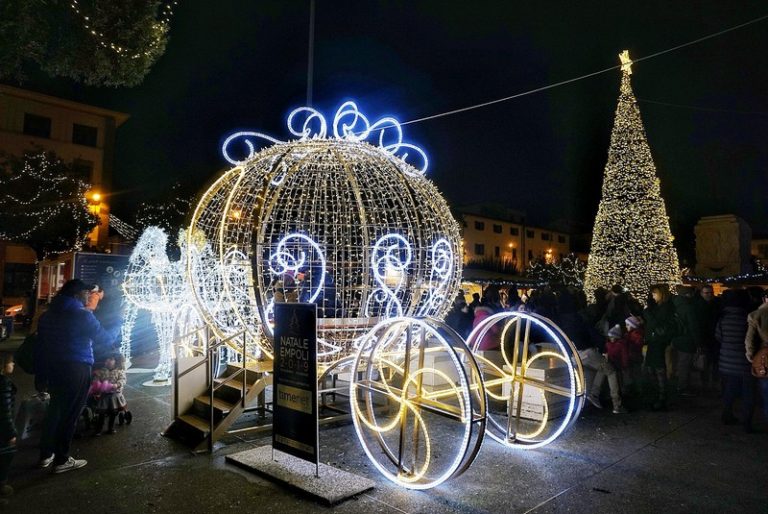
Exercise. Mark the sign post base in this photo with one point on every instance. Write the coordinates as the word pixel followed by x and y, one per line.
pixel 332 486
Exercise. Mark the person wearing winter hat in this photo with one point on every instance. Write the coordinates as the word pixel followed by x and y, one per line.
pixel 63 359
pixel 616 348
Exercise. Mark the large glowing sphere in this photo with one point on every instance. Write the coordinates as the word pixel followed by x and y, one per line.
pixel 327 219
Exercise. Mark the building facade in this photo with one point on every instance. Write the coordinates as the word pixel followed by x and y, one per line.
pixel 81 135
pixel 503 238
pixel 722 246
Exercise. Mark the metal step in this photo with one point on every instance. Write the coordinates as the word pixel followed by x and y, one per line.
pixel 219 404
pixel 196 422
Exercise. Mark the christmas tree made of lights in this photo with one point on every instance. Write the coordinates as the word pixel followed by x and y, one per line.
pixel 632 244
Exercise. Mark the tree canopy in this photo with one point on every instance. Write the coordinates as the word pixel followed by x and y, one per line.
pixel 98 43
pixel 43 204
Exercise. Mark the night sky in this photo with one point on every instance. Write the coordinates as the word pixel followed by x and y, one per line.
pixel 242 65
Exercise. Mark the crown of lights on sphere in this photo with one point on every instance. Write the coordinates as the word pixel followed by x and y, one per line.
pixel 331 219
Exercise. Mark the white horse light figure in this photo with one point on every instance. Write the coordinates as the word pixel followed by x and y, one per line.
pixel 154 283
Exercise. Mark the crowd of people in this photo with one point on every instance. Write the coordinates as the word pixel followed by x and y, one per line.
pixel 648 352
pixel 645 352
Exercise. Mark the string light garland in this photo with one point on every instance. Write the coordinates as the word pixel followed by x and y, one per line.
pixel 126 230
pixel 569 271
pixel 161 27
pixel 41 193
pixel 744 277
pixel 632 244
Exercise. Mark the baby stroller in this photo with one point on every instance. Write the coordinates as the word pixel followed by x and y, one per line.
pixel 87 419
pixel 105 401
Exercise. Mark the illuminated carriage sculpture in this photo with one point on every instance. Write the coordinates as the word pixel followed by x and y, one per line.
pixel 350 226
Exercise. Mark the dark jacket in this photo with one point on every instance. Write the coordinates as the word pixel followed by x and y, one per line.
pixel 7 399
pixel 730 332
pixel 582 335
pixel 66 333
pixel 659 330
pixel 692 319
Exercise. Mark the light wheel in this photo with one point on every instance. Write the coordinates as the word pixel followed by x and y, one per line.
pixel 414 401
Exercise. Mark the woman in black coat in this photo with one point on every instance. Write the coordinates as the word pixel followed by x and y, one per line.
pixel 733 364
pixel 659 319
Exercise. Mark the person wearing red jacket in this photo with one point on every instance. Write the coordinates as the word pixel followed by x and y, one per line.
pixel 635 336
pixel 617 348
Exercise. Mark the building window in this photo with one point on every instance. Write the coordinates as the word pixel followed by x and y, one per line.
pixel 479 225
pixel 514 253
pixel 496 251
pixel 529 234
pixel 479 249
pixel 530 255
pixel 82 169
pixel 544 236
pixel 39 126
pixel 561 239
pixel 84 135
pixel 18 279
pixel 514 231
pixel 497 229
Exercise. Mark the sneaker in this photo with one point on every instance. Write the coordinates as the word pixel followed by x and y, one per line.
pixel 70 465
pixel 594 400
pixel 111 431
pixel 686 393
pixel 620 410
pixel 44 463
pixel 128 418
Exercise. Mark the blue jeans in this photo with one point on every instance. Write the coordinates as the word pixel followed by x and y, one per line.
pixel 735 386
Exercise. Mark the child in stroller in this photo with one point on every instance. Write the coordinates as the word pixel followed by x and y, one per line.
pixel 106 398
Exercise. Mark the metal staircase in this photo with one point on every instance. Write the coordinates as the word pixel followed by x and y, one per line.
pixel 207 400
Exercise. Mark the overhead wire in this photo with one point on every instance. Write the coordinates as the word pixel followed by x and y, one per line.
pixel 700 108
pixel 582 77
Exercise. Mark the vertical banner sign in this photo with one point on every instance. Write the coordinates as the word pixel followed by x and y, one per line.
pixel 295 426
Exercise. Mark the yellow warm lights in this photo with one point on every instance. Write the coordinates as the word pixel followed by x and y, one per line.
pixel 632 244
pixel 626 62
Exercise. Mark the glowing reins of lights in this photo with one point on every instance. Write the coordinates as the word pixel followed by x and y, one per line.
pixel 349 124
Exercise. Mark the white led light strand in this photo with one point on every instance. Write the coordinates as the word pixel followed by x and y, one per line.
pixel 389 263
pixel 349 124
pixel 439 277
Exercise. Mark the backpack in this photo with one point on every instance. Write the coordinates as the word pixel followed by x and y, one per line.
pixel 25 354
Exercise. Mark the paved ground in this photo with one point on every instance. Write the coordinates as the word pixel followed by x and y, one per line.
pixel 682 460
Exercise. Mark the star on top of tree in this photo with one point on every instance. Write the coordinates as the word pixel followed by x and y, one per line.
pixel 626 62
